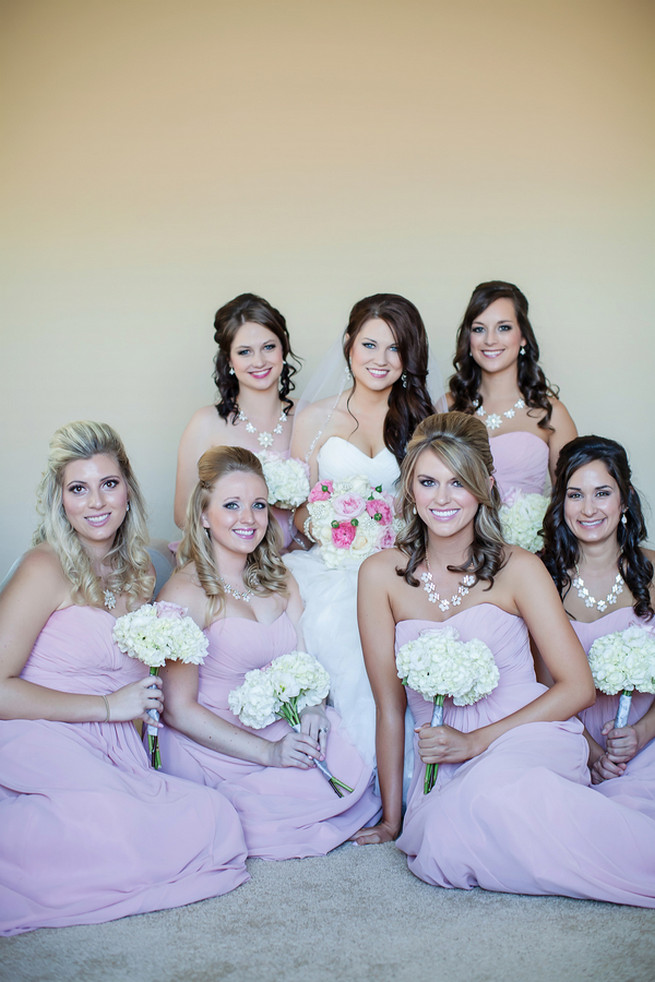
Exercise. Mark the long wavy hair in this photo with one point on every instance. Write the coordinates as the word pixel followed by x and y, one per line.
pixel 561 549
pixel 465 383
pixel 229 318
pixel 462 443
pixel 265 572
pixel 409 400
pixel 129 560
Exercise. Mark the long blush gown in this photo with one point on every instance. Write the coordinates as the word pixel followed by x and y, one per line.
pixel 90 832
pixel 521 817
pixel 636 786
pixel 286 812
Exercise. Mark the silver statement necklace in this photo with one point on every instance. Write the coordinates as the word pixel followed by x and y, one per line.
pixel 590 601
pixel 433 594
pixel 492 420
pixel 246 595
pixel 264 438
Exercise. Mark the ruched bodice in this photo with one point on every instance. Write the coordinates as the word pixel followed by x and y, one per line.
pixel 520 462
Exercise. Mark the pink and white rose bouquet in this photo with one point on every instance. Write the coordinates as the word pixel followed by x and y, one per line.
pixel 351 520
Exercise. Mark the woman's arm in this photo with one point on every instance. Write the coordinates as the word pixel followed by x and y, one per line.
pixel 377 631
pixel 305 446
pixel 198 436
pixel 37 589
pixel 526 586
pixel 564 429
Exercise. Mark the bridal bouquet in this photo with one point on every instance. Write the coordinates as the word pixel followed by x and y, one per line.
pixel 286 478
pixel 521 517
pixel 437 664
pixel 351 520
pixel 282 690
pixel 154 634
pixel 621 662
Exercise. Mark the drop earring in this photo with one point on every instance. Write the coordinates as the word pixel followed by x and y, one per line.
pixel 522 350
pixel 403 378
pixel 230 371
pixel 624 520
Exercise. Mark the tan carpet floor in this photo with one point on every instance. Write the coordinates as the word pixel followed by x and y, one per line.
pixel 355 914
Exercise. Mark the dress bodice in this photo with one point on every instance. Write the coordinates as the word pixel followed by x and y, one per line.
pixel 339 460
pixel 75 652
pixel 506 635
pixel 520 463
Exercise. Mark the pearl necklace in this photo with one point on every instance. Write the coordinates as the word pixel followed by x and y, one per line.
pixel 590 601
pixel 493 421
pixel 433 594
pixel 237 594
pixel 264 438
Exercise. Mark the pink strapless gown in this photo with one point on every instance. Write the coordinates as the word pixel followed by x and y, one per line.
pixel 521 817
pixel 286 812
pixel 636 786
pixel 90 832
pixel 521 463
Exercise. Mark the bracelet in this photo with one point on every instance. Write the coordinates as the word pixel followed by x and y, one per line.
pixel 306 531
pixel 108 716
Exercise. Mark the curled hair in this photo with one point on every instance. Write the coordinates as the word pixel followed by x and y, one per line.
pixel 128 558
pixel 462 443
pixel 533 384
pixel 229 318
pixel 409 400
pixel 265 572
pixel 561 549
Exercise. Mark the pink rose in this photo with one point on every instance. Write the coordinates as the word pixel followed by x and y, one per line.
pixel 388 539
pixel 348 505
pixel 174 611
pixel 321 491
pixel 377 506
pixel 343 535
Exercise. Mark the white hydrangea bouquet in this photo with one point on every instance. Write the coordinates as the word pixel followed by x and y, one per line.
pixel 622 662
pixel 437 664
pixel 287 479
pixel 351 520
pixel 291 683
pixel 521 517
pixel 156 633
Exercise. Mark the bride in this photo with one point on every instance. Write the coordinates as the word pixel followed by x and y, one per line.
pixel 361 431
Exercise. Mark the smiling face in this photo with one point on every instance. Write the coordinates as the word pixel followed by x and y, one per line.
pixel 442 502
pixel 592 507
pixel 374 356
pixel 496 337
pixel 237 512
pixel 94 497
pixel 256 356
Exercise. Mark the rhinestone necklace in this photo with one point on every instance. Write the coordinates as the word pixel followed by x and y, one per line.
pixel 237 594
pixel 110 599
pixel 433 594
pixel 492 421
pixel 590 601
pixel 264 438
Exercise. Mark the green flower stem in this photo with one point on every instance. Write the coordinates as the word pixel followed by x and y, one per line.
pixel 431 769
pixel 333 781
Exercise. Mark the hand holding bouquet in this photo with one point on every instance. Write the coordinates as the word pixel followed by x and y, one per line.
pixel 288 685
pixel 156 633
pixel 622 662
pixel 437 664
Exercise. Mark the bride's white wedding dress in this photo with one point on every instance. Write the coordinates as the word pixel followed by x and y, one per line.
pixel 329 623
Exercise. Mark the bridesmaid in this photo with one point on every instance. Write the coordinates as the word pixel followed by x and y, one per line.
pixel 593 532
pixel 235 586
pixel 253 374
pixel 511 809
pixel 90 832
pixel 498 377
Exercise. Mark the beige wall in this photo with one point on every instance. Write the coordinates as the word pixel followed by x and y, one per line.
pixel 162 157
